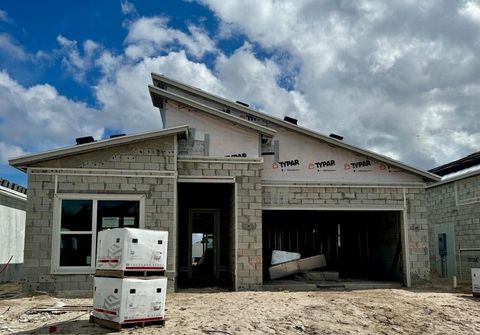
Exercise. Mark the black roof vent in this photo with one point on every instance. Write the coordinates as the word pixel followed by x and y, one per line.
pixel 117 135
pixel 83 140
pixel 290 119
pixel 337 137
pixel 242 103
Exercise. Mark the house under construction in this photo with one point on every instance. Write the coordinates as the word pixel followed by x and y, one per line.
pixel 230 185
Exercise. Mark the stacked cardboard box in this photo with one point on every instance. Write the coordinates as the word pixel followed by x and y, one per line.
pixel 129 283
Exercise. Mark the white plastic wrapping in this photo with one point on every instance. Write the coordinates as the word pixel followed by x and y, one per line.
pixel 129 300
pixel 131 249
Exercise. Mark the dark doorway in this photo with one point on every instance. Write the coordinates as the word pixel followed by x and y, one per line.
pixel 356 244
pixel 203 244
pixel 206 227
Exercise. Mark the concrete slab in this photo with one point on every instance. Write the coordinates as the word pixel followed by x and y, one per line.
pixel 302 285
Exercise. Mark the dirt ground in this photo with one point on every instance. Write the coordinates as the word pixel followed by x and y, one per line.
pixel 385 311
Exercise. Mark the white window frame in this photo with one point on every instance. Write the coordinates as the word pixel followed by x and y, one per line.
pixel 56 234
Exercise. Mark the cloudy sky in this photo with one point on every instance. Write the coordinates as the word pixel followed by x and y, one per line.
pixel 401 79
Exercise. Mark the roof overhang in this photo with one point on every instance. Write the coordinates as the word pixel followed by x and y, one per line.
pixel 22 162
pixel 457 176
pixel 195 91
pixel 209 110
pixel 12 193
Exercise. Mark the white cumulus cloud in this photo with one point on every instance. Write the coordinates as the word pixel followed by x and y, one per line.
pixel 400 79
pixel 149 35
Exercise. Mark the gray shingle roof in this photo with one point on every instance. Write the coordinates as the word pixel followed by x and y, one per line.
pixel 13 186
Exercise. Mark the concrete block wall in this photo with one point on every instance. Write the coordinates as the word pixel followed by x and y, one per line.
pixel 464 214
pixel 38 233
pixel 248 211
pixel 358 197
pixel 159 205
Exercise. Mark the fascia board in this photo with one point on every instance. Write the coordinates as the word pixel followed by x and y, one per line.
pixel 12 193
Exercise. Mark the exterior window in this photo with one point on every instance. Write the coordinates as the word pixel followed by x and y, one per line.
pixel 76 233
pixel 79 221
pixel 118 214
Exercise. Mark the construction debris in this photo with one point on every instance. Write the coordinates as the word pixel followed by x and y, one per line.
pixel 279 256
pixel 293 267
pixel 59 309
pixel 321 276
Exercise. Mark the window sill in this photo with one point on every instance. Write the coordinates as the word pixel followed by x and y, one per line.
pixel 70 271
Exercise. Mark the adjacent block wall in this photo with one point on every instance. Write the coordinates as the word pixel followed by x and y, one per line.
pixel 463 211
pixel 12 236
pixel 248 211
pixel 159 203
pixel 358 197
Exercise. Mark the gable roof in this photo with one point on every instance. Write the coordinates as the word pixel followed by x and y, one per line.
pixel 209 110
pixel 160 79
pixel 22 161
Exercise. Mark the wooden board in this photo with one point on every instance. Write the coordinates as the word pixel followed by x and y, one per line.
pixel 58 310
pixel 290 268
pixel 119 326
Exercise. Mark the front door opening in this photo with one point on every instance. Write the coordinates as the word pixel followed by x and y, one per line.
pixel 206 235
pixel 203 224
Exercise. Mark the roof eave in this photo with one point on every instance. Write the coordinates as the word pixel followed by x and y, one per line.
pixel 22 162
pixel 454 179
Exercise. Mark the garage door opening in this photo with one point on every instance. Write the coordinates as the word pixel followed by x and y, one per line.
pixel 205 234
pixel 364 245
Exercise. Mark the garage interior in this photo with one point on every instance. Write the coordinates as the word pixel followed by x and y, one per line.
pixel 206 228
pixel 359 245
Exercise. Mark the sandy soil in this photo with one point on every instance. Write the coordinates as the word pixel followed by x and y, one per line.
pixel 392 311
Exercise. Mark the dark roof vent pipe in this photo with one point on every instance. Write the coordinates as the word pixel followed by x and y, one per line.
pixel 84 140
pixel 242 103
pixel 337 137
pixel 290 119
